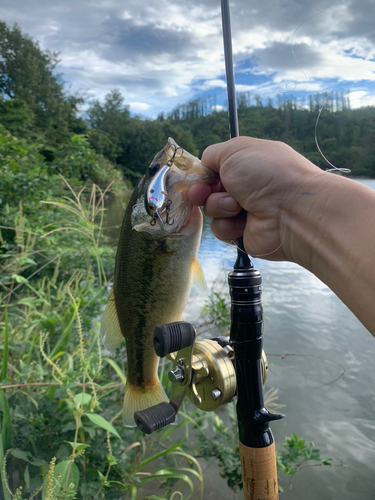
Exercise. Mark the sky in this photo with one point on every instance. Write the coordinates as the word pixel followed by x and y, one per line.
pixel 161 53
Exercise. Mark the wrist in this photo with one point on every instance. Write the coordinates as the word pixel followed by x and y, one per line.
pixel 310 210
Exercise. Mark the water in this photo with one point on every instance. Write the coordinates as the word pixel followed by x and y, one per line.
pixel 327 386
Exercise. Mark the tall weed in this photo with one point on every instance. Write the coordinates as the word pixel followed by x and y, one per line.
pixel 60 399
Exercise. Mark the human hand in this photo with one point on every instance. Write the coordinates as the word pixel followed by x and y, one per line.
pixel 265 178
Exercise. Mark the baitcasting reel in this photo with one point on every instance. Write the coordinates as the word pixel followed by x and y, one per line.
pixel 203 371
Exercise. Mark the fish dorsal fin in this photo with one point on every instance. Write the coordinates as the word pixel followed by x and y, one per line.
pixel 110 330
pixel 198 274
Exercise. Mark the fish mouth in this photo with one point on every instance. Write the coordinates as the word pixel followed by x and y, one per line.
pixel 194 217
pixel 171 213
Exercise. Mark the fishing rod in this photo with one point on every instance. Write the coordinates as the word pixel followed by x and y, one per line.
pixel 211 372
pixel 257 445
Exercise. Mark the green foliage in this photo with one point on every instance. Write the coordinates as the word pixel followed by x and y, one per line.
pixel 25 70
pixel 345 136
pixel 217 310
pixel 15 115
pixel 131 142
pixel 25 175
pixel 297 454
pixel 34 105
pixel 26 74
pixel 76 160
pixel 60 398
pixel 220 442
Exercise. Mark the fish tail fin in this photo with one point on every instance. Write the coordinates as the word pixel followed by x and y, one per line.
pixel 139 398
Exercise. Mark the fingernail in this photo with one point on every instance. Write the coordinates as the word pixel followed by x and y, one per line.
pixel 228 204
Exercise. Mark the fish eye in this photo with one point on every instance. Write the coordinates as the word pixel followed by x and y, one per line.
pixel 150 206
pixel 153 168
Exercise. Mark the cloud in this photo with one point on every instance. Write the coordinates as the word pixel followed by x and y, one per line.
pixel 359 98
pixel 139 106
pixel 162 52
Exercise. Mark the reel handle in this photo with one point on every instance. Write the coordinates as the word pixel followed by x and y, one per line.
pixel 155 417
pixel 173 337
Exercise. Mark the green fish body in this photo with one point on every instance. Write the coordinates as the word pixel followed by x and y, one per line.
pixel 154 270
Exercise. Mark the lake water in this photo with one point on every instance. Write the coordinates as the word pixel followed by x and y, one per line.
pixel 328 385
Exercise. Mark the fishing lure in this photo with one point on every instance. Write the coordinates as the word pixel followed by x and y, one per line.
pixel 156 195
pixel 156 200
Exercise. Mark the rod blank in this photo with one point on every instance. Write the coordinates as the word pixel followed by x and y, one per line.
pixel 229 71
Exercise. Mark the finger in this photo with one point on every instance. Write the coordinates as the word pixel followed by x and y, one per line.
pixel 217 187
pixel 214 156
pixel 228 229
pixel 211 155
pixel 198 193
pixel 220 205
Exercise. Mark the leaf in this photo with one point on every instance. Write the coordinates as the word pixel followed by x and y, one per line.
pixel 69 474
pixel 102 422
pixel 5 490
pixel 4 368
pixel 58 355
pixel 6 422
pixel 22 455
pixel 37 462
pixel 18 279
pixel 160 454
pixel 27 478
pixel 86 398
pixel 70 426
pixel 27 260
pixel 78 446
pixel 117 369
pixel 327 461
pixel 164 473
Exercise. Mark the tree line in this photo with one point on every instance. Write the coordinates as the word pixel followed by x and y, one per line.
pixel 35 105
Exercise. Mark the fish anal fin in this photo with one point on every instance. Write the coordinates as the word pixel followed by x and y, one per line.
pixel 110 330
pixel 198 274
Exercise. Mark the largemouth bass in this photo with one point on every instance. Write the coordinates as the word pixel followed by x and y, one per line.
pixel 156 262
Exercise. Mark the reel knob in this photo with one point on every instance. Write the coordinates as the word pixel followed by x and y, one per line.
pixel 155 417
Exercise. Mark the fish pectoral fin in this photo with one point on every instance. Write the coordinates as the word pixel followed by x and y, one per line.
pixel 110 330
pixel 198 274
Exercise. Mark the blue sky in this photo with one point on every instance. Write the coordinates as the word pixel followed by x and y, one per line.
pixel 160 53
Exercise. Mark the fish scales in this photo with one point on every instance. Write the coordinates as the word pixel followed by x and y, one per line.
pixel 154 270
pixel 146 281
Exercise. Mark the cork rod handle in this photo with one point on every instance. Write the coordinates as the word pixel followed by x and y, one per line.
pixel 259 473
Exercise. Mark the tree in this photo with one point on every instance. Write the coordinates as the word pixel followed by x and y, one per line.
pixel 109 123
pixel 15 115
pixel 26 73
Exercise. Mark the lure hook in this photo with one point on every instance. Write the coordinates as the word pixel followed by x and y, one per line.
pixel 170 162
pixel 168 208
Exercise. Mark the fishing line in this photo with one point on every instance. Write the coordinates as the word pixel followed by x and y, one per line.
pixel 296 60
pixel 292 47
pixel 334 168
pixel 232 242
pixel 314 7
pixel 332 381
